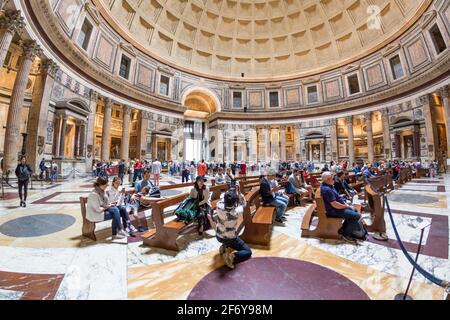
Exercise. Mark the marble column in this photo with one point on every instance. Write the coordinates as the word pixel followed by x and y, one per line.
pixel 62 139
pixel 444 91
pixel 142 135
pixel 89 152
pixel 125 145
pixel 268 143
pixel 76 142
pixel 253 144
pixel 368 119
pixel 386 134
pixel 57 134
pixel 82 140
pixel 334 140
pixel 10 23
pixel 38 114
pixel 181 155
pixel 429 127
pixel 12 135
pixel 351 150
pixel 297 147
pixel 106 130
pixel 283 143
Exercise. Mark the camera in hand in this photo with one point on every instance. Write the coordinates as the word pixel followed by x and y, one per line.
pixel 233 185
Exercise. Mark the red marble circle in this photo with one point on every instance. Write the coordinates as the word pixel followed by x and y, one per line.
pixel 273 278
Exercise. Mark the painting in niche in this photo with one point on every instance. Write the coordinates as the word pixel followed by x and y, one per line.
pixel 115 148
pixel 378 148
pixel 97 147
pixel 409 146
pixel 315 148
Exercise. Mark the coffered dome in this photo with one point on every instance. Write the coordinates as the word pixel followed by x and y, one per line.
pixel 259 39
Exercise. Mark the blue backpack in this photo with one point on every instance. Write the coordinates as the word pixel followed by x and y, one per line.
pixel 290 189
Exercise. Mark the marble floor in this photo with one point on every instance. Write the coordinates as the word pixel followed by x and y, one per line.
pixel 43 255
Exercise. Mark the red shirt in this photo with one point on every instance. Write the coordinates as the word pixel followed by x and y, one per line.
pixel 202 169
pixel 243 169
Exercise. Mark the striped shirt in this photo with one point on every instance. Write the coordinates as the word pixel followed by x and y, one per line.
pixel 226 220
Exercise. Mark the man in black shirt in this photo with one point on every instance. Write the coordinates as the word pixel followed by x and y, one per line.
pixel 268 196
pixel 121 170
pixel 342 187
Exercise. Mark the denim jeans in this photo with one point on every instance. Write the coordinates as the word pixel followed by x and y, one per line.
pixel 243 252
pixel 137 175
pixel 282 198
pixel 351 219
pixel 114 214
pixel 281 206
pixel 124 215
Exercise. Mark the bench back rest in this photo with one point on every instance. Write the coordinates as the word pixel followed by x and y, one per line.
pixel 320 205
pixel 159 206
pixel 253 199
pixel 83 202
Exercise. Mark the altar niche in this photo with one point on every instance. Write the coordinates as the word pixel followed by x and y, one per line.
pixel 405 137
pixel 315 143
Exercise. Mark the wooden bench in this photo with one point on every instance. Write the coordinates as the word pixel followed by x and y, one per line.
pixel 258 220
pixel 375 207
pixel 422 172
pixel 327 228
pixel 88 227
pixel 165 235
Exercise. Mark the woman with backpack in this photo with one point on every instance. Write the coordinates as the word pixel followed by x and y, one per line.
pixel 200 192
pixel 23 174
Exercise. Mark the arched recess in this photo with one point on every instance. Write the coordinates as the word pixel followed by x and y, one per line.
pixel 200 102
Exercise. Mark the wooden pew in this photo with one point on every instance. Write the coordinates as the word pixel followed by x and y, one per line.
pixel 165 234
pixel 375 207
pixel 88 227
pixel 327 228
pixel 258 220
pixel 422 172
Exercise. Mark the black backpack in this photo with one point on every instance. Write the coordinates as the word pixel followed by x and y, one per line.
pixel 360 232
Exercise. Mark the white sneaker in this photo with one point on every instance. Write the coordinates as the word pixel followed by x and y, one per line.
pixel 118 237
pixel 132 229
pixel 124 233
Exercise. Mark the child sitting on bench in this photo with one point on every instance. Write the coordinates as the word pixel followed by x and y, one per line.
pixel 228 211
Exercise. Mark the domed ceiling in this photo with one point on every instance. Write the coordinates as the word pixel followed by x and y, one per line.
pixel 259 39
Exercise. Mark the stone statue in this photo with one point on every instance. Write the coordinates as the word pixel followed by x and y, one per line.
pixel 409 149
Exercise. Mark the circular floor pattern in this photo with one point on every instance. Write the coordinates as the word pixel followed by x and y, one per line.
pixel 273 278
pixel 170 193
pixel 36 225
pixel 413 198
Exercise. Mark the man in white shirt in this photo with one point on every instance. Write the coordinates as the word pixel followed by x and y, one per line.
pixel 156 171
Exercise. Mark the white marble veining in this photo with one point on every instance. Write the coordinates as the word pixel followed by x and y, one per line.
pixel 10 295
pixel 40 261
pixel 96 272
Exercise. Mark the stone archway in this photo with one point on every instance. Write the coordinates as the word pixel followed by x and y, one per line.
pixel 200 103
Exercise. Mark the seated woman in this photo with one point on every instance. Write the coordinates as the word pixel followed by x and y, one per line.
pixel 116 198
pixel 98 209
pixel 201 193
pixel 220 177
pixel 229 176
